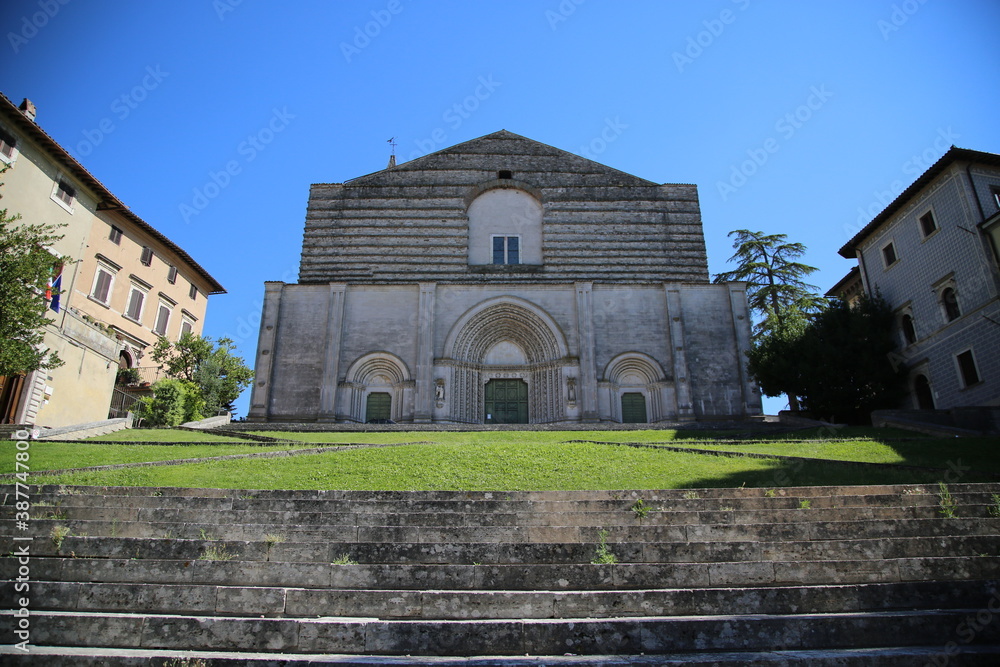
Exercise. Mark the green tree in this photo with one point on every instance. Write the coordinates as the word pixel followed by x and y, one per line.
pixel 173 402
pixel 839 363
pixel 778 296
pixel 775 285
pixel 219 375
pixel 25 269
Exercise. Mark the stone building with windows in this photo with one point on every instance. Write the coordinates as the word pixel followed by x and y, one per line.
pixel 503 281
pixel 126 284
pixel 934 254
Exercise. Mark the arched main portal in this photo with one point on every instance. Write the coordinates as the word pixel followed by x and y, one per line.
pixel 515 344
pixel 506 402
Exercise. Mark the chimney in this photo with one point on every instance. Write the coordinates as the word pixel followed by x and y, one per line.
pixel 28 109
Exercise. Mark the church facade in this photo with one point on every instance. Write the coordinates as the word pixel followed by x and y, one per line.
pixel 503 281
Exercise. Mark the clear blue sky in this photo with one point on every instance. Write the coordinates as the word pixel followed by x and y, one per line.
pixel 837 106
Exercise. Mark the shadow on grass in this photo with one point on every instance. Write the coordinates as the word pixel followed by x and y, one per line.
pixel 842 473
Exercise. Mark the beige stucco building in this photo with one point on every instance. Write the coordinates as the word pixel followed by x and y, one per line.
pixel 125 285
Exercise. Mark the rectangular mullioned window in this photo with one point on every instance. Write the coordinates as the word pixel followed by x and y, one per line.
pixel 506 249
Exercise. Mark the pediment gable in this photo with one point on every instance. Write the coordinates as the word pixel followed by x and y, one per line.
pixel 504 150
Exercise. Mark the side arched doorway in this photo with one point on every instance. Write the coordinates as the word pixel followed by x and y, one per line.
pixel 634 408
pixel 378 407
pixel 922 392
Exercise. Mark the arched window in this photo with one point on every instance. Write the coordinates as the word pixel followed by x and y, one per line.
pixel 505 228
pixel 909 331
pixel 949 302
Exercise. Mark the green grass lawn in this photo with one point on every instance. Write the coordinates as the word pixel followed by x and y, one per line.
pixel 60 455
pixel 973 453
pixel 514 460
pixel 498 466
pixel 483 437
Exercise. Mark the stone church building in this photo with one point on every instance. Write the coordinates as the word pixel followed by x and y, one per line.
pixel 503 281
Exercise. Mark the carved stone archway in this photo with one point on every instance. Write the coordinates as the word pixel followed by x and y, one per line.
pixel 634 372
pixel 377 372
pixel 521 330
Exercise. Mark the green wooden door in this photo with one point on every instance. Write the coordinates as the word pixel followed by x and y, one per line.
pixel 633 408
pixel 379 406
pixel 506 402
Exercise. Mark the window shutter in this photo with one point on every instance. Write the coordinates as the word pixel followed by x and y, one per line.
pixel 162 318
pixel 135 304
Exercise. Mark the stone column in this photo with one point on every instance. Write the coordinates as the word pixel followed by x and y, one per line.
pixel 260 397
pixel 588 355
pixel 675 321
pixel 424 404
pixel 331 359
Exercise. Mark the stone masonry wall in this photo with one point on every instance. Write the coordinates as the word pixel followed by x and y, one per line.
pixel 409 223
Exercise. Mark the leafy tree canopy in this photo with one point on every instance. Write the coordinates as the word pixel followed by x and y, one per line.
pixel 838 362
pixel 173 403
pixel 25 269
pixel 219 375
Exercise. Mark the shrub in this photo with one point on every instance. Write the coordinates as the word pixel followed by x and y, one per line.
pixel 174 402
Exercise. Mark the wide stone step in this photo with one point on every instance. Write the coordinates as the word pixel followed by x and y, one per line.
pixel 959 654
pixel 803 529
pixel 620 517
pixel 650 635
pixel 494 552
pixel 843 493
pixel 418 503
pixel 465 604
pixel 554 577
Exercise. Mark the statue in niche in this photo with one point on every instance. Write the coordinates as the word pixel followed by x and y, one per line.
pixel 439 390
pixel 571 383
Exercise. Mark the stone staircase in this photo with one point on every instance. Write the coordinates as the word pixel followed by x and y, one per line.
pixel 795 576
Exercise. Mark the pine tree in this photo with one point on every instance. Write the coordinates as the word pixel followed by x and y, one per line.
pixel 776 292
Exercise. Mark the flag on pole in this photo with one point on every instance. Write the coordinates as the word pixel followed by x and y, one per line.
pixel 54 288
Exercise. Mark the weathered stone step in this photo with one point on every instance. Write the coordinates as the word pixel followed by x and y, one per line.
pixel 522 577
pixel 961 654
pixel 804 529
pixel 493 552
pixel 465 604
pixel 650 635
pixel 620 517
pixel 55 491
pixel 377 502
